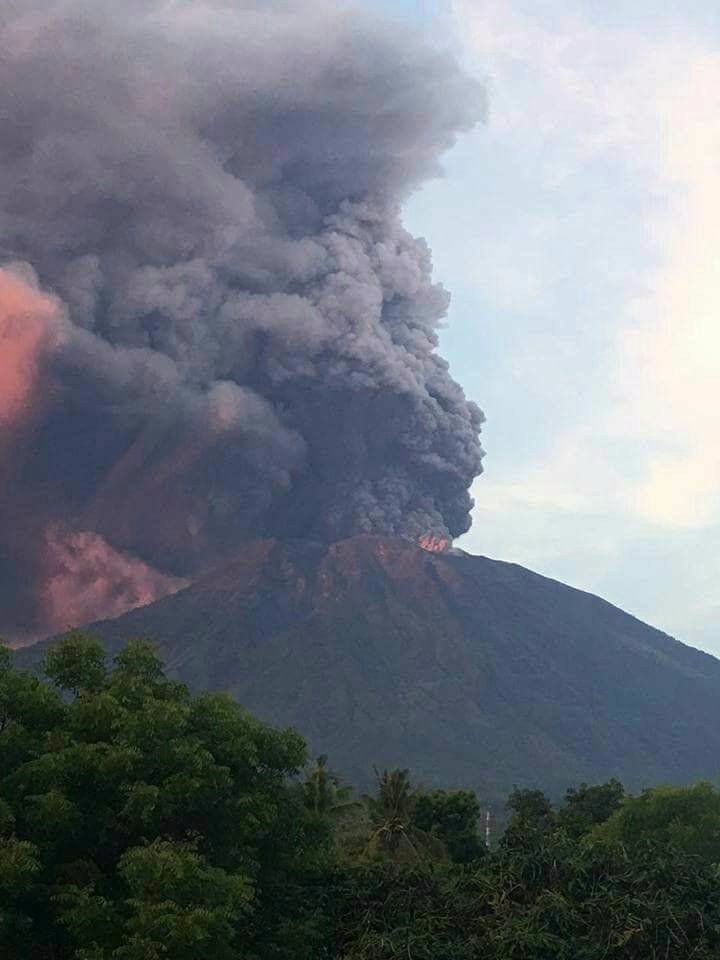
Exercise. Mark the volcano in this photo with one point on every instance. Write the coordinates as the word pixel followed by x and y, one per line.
pixel 468 670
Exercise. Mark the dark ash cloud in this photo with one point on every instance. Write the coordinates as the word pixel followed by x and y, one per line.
pixel 242 340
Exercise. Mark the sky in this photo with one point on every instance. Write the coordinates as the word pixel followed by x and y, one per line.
pixel 578 231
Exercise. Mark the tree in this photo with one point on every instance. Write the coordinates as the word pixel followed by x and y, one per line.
pixel 530 807
pixel 587 806
pixel 530 813
pixel 687 818
pixel 140 821
pixel 452 817
pixel 391 810
pixel 77 664
pixel 323 794
pixel 550 898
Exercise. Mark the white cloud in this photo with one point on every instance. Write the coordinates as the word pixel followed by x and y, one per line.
pixel 581 228
pixel 594 103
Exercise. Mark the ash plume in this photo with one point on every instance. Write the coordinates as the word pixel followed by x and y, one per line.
pixel 213 325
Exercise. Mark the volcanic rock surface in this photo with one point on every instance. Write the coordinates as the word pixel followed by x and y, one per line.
pixel 470 671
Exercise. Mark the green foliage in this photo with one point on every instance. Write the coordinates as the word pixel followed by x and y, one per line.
pixel 139 821
pixel 530 808
pixel 687 818
pixel 324 796
pixel 394 835
pixel 552 900
pixel 531 813
pixel 179 902
pixel 452 817
pixel 554 890
pixel 77 664
pixel 588 806
pixel 585 807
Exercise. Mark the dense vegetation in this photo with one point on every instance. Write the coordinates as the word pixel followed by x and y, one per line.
pixel 139 822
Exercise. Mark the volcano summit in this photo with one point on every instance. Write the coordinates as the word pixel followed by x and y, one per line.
pixel 468 670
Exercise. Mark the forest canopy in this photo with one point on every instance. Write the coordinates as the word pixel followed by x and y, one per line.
pixel 140 821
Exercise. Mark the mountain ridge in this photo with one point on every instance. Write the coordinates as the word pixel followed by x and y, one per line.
pixel 471 671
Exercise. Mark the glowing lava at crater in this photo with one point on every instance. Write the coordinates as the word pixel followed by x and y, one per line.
pixel 434 543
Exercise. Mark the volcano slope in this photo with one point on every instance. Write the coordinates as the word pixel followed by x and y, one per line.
pixel 468 670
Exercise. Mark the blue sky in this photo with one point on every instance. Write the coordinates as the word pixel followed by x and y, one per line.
pixel 578 231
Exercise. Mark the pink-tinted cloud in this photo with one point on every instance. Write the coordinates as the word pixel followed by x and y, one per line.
pixel 89 580
pixel 27 330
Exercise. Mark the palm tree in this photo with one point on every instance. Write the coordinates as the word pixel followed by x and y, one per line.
pixel 391 813
pixel 324 795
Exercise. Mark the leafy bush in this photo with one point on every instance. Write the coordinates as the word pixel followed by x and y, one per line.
pixel 139 821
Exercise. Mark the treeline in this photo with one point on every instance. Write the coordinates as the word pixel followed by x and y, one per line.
pixel 140 822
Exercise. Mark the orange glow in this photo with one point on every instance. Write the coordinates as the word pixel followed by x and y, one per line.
pixel 26 320
pixel 90 580
pixel 433 543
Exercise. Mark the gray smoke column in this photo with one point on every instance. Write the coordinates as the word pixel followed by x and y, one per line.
pixel 213 325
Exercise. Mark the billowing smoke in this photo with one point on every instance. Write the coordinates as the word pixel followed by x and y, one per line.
pixel 213 325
